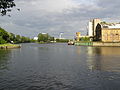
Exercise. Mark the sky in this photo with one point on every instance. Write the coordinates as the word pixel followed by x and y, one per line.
pixel 56 16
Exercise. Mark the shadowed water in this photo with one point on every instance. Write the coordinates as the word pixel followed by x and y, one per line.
pixel 60 67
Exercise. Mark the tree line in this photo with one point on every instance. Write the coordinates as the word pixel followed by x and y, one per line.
pixel 6 37
pixel 45 37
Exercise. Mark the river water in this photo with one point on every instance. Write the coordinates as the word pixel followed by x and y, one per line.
pixel 60 67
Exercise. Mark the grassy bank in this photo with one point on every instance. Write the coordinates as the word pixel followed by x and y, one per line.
pixel 8 46
pixel 84 43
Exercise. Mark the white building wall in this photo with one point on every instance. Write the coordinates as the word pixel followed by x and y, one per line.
pixel 114 26
pixel 35 38
pixel 90 29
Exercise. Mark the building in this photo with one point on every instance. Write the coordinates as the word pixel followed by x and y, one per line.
pixel 92 27
pixel 103 31
pixel 96 22
pixel 35 38
pixel 108 32
pixel 78 34
pixel 110 35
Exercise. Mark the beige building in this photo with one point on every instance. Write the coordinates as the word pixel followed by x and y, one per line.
pixel 111 34
pixel 78 34
pixel 103 31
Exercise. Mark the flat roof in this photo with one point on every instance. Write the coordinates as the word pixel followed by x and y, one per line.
pixel 110 28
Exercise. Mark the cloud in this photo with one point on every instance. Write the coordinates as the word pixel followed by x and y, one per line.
pixel 55 16
pixel 47 5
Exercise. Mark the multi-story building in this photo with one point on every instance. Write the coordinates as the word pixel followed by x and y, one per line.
pixel 92 27
pixel 110 34
pixel 95 23
pixel 105 32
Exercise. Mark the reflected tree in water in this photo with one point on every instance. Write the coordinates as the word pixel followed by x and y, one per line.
pixel 4 57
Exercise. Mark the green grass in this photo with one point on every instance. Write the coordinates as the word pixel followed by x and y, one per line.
pixel 8 44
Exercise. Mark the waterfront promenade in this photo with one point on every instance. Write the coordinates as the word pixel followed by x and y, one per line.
pixel 108 44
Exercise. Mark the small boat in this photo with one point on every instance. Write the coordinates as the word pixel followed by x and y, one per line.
pixel 70 43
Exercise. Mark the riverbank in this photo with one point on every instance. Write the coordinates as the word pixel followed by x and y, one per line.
pixel 100 44
pixel 9 46
pixel 83 43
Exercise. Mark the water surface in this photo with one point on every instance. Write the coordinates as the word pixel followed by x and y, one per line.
pixel 60 67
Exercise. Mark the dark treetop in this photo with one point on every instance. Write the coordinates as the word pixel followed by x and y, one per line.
pixel 6 6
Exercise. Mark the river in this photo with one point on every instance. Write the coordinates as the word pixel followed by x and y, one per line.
pixel 60 67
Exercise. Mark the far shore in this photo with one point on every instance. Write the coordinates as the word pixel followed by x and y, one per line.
pixel 9 46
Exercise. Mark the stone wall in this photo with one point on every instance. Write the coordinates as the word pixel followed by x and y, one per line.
pixel 111 35
pixel 106 44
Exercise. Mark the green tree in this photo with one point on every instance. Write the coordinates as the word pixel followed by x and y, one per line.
pixel 62 40
pixel 5 6
pixel 12 37
pixel 45 37
pixel 85 39
pixel 42 37
pixel 4 34
pixel 52 38
pixel 2 41
pixel 17 39
pixel 25 39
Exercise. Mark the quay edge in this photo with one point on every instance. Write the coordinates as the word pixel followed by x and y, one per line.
pixel 99 44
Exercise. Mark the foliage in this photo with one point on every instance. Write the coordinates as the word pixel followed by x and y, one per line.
pixel 62 40
pixel 45 37
pixel 2 41
pixel 52 38
pixel 22 39
pixel 6 5
pixel 6 37
pixel 84 39
pixel 12 37
pixel 4 34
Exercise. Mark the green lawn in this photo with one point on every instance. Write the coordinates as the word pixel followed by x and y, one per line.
pixel 8 44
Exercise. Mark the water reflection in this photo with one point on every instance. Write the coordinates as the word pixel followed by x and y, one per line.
pixel 104 58
pixel 4 57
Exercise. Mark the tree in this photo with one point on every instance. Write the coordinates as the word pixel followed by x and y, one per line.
pixel 25 39
pixel 62 40
pixel 52 38
pixel 18 39
pixel 43 37
pixel 6 6
pixel 12 37
pixel 4 34
pixel 2 41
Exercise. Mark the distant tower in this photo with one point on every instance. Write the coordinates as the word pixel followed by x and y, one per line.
pixel 60 35
pixel 78 36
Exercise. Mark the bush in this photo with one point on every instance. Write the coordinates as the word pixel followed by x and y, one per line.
pixel 85 39
pixel 2 41
pixel 62 40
